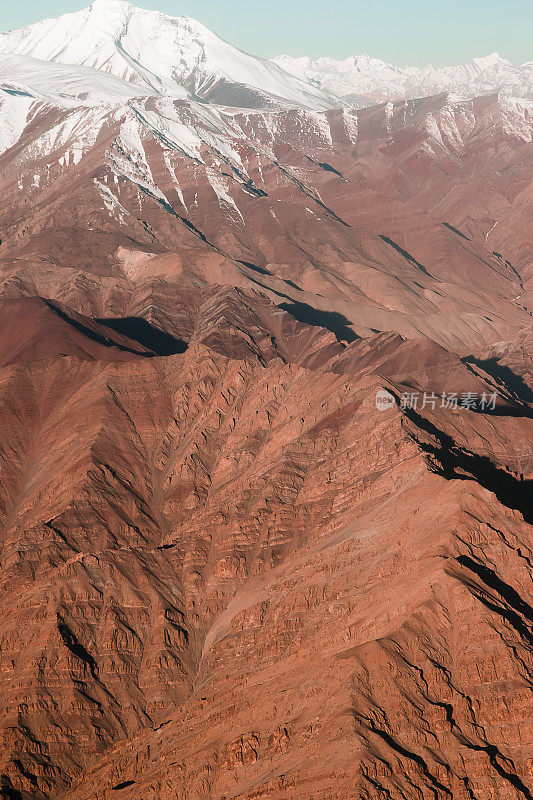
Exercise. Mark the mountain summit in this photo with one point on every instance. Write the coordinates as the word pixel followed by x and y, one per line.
pixel 168 55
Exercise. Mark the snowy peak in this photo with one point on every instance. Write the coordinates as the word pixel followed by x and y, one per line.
pixel 370 80
pixel 177 56
pixel 490 61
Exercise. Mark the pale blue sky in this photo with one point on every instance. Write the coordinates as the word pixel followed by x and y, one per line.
pixel 400 31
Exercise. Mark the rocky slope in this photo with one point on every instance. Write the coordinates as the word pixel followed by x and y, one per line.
pixel 370 220
pixel 242 579
pixel 226 570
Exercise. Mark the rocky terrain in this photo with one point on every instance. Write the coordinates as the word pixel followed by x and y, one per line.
pixel 226 570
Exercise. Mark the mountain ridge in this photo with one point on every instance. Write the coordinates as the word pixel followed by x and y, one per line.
pixel 181 57
pixel 373 79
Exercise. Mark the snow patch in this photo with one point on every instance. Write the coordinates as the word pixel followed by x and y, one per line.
pixel 111 202
pixel 221 190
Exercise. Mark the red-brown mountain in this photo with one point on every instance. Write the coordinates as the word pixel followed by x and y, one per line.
pixel 225 572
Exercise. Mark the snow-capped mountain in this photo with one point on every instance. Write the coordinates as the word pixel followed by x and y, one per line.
pixel 168 83
pixel 176 56
pixel 147 52
pixel 364 79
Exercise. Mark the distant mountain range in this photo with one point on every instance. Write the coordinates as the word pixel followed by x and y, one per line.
pixel 363 79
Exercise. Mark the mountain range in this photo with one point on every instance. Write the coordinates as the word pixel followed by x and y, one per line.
pixel 363 79
pixel 266 404
pixel 180 57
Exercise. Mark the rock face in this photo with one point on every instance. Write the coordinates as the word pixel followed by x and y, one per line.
pixel 226 570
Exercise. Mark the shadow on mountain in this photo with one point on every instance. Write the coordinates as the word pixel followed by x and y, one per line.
pixel 515 384
pixel 255 268
pixel 139 330
pixel 522 411
pixel 292 284
pixel 8 792
pixel 122 785
pixel 328 168
pixel 408 257
pixel 453 462
pixel 332 320
pixel 89 332
pixel 456 231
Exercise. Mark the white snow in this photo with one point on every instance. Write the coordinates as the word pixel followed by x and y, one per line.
pixel 168 55
pixel 14 113
pixel 67 140
pixel 221 190
pixel 518 117
pixel 65 86
pixel 175 182
pixel 127 157
pixel 111 202
pixel 174 133
pixel 368 80
pixel 351 124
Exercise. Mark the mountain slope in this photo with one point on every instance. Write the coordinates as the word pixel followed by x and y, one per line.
pixel 366 220
pixel 245 577
pixel 63 84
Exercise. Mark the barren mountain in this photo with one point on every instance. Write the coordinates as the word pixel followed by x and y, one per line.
pixel 226 570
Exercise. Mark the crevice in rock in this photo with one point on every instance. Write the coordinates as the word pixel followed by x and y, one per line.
pixel 76 648
pixel 310 194
pixel 507 595
pixel 410 755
